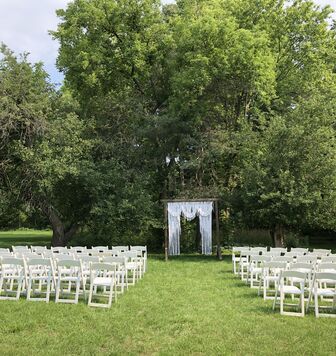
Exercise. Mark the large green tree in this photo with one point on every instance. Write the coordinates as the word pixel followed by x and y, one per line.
pixel 43 150
pixel 170 88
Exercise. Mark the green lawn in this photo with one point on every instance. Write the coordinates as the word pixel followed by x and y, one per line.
pixel 25 237
pixel 190 305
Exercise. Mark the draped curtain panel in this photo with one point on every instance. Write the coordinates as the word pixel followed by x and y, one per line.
pixel 189 210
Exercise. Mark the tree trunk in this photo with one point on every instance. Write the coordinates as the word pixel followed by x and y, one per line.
pixel 278 235
pixel 61 236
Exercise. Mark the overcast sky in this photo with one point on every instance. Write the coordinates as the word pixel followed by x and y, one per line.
pixel 24 26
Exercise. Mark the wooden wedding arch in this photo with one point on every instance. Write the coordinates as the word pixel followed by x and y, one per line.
pixel 215 202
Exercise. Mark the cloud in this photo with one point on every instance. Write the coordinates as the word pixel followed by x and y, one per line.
pixel 24 26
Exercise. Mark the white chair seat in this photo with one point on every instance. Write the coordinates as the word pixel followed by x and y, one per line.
pixel 326 292
pixel 131 265
pixel 69 278
pixel 291 289
pixel 103 281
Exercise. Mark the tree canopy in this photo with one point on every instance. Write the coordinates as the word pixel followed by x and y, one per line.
pixel 214 97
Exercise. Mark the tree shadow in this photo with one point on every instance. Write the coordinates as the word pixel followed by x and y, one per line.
pixel 189 258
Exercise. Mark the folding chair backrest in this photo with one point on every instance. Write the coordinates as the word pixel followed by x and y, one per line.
pixel 294 274
pixel 103 266
pixel 26 255
pixel 39 262
pixel 330 258
pixel 4 250
pixel 139 248
pixel 78 249
pixel 287 259
pixel 239 248
pixel 115 252
pixel 6 254
pixel 327 267
pixel 129 254
pixel 293 254
pixel 321 251
pixel 20 248
pixel 245 252
pixel 13 261
pixel 62 257
pixel 68 263
pixel 87 259
pixel 300 250
pixel 278 249
pixel 112 259
pixel 301 266
pixel 275 264
pixel 63 250
pixel 47 254
pixel 307 259
pixel 99 248
pixel 38 248
pixel 325 277
pixel 120 248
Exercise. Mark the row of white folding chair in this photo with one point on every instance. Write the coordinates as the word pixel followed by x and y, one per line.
pixel 306 266
pixel 323 285
pixel 247 251
pixel 18 272
pixel 270 272
pixel 249 268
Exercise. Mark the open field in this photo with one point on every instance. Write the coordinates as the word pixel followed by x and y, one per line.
pixel 190 305
pixel 25 237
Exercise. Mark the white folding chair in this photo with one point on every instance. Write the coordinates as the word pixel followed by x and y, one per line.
pixel 143 250
pixel 270 277
pixel 121 276
pixel 12 273
pixel 86 261
pixel 19 248
pixel 324 285
pixel 39 270
pixel 244 258
pixel 307 268
pixel 102 275
pixel 286 286
pixel 255 269
pixel 68 272
pixel 133 265
pixel 236 257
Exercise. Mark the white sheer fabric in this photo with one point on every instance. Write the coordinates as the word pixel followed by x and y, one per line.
pixel 190 210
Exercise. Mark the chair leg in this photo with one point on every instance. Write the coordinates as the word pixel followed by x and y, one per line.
pixel 316 305
pixel 58 286
pixel 302 304
pixel 18 288
pixel 281 302
pixel 29 287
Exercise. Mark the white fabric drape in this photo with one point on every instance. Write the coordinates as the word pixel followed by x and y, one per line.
pixel 189 210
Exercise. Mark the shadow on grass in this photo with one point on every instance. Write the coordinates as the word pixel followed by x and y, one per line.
pixel 189 258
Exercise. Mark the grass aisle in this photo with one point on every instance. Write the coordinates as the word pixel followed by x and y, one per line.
pixel 190 305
